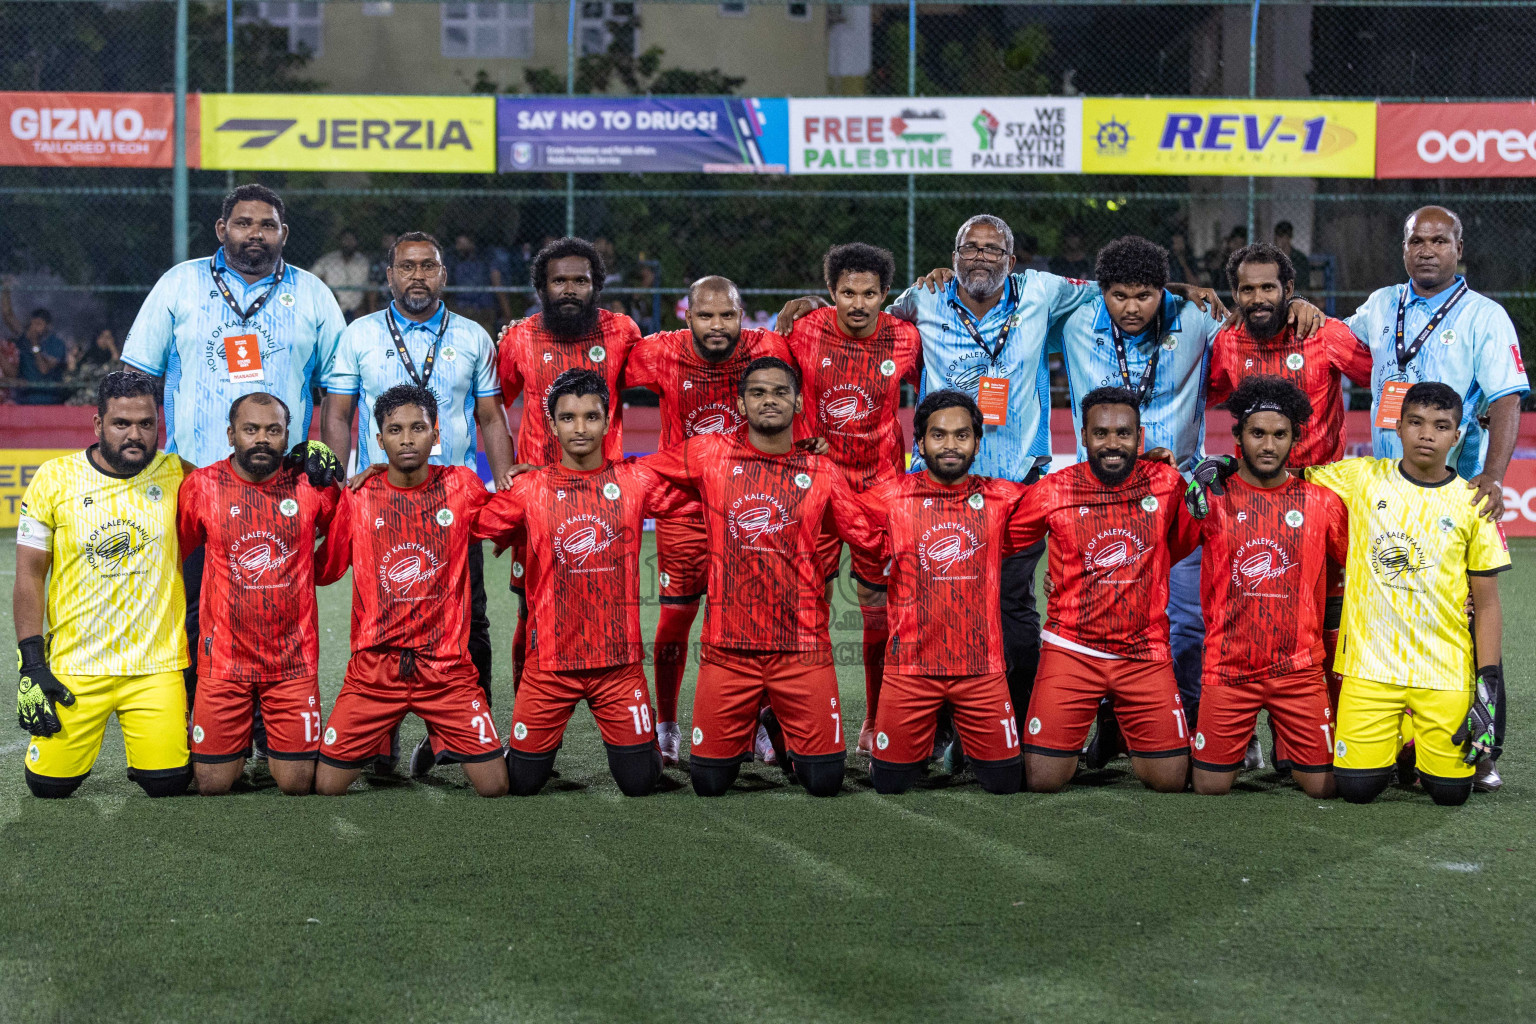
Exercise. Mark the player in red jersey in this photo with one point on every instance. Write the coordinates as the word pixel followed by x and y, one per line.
pixel 855 359
pixel 583 518
pixel 1116 523
pixel 571 331
pixel 1267 541
pixel 697 373
pixel 259 637
pixel 766 502
pixel 1263 282
pixel 405 534
pixel 945 534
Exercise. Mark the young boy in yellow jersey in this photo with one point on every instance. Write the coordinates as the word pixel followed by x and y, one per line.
pixel 103 521
pixel 1416 548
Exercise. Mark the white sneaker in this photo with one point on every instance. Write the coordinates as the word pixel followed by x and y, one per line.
pixel 764 746
pixel 1486 778
pixel 1254 756
pixel 670 741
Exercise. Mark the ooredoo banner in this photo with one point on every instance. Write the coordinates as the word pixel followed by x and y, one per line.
pixel 936 135
pixel 93 129
pixel 1520 498
pixel 1456 140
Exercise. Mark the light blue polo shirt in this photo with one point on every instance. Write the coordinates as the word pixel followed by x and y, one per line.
pixel 1474 350
pixel 1173 413
pixel 367 365
pixel 179 335
pixel 1032 302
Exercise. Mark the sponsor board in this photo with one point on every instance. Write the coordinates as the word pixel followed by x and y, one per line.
pixel 1264 138
pixel 1456 140
pixel 348 133
pixel 93 129
pixel 17 468
pixel 1520 498
pixel 935 135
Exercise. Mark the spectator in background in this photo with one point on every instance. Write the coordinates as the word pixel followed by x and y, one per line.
pixel 610 259
pixel 84 367
pixel 1027 249
pixel 346 271
pixel 1074 261
pixel 469 274
pixel 1183 266
pixel 378 273
pixel 1284 232
pixel 1216 259
pixel 40 353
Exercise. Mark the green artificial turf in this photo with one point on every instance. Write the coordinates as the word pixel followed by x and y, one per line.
pixel 419 902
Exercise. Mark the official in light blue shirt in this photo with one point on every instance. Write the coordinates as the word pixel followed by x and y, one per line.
pixel 275 330
pixel 1470 345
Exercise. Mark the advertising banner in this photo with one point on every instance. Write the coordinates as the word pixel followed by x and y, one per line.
pixel 93 129
pixel 1456 140
pixel 1264 138
pixel 17 468
pixel 1520 498
pixel 926 135
pixel 304 132
pixel 638 133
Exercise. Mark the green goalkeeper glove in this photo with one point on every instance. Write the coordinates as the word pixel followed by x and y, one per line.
pixel 1209 475
pixel 317 462
pixel 39 690
pixel 1477 731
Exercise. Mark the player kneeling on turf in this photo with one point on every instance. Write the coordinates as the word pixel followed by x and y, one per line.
pixel 583 518
pixel 944 537
pixel 405 534
pixel 259 630
pixel 1267 540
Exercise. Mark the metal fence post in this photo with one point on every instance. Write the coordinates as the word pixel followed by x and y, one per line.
pixel 229 69
pixel 1253 87
pixel 911 178
pixel 570 90
pixel 179 169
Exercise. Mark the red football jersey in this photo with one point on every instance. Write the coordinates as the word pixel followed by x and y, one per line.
pixel 1263 567
pixel 1315 365
pixel 408 550
pixel 257 615
pixel 697 396
pixel 853 389
pixel 946 547
pixel 1110 551
pixel 529 358
pixel 583 568
pixel 763 515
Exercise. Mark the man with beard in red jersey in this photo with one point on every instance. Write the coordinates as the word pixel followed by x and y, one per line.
pixel 766 504
pixel 855 359
pixel 1116 523
pixel 571 331
pixel 697 373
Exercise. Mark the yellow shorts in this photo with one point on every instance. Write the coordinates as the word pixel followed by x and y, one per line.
pixel 152 711
pixel 1374 723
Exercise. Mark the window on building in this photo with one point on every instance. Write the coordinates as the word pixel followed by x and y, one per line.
pixel 799 12
pixel 300 17
pixel 734 10
pixel 592 20
pixel 487 30
pixel 378 8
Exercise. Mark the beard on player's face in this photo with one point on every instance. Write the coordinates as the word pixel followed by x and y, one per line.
pixel 1262 319
pixel 129 456
pixel 1117 470
pixel 568 317
pixel 260 460
pixel 948 464
pixel 980 279
pixel 252 255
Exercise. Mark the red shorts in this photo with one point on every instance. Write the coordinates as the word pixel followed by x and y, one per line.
pixel 909 714
pixel 1297 703
pixel 1069 686
pixel 618 697
pixel 375 697
pixel 222 719
pixel 682 560
pixel 801 687
pixel 875 575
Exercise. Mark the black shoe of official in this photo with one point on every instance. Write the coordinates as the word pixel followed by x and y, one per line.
pixel 422 759
pixel 1105 745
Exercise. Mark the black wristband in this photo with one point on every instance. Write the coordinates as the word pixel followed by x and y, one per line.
pixel 1493 674
pixel 33 652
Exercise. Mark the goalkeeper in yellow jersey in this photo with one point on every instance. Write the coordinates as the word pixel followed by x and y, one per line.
pixel 1416 548
pixel 103 522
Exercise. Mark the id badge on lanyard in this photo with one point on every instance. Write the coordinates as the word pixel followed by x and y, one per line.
pixel 991 392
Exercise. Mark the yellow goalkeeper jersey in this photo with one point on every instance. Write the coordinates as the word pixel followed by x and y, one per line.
pixel 1411 547
pixel 116 605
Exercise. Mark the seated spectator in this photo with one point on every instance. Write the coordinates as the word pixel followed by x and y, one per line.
pixel 39 353
pixel 345 271
pixel 1284 232
pixel 86 366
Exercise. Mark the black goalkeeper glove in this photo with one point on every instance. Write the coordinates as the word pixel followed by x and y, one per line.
pixel 317 462
pixel 1209 476
pixel 39 690
pixel 1477 731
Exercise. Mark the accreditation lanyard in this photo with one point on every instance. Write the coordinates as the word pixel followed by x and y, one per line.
pixel 970 325
pixel 991 389
pixel 229 297
pixel 1405 354
pixel 405 357
pixel 1149 375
